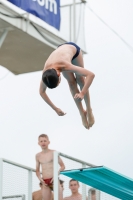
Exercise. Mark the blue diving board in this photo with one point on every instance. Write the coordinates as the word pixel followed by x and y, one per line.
pixel 104 179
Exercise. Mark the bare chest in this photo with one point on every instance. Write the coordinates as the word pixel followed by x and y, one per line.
pixel 46 158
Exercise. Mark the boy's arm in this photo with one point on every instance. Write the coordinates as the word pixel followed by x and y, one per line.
pixel 38 169
pixel 62 166
pixel 43 94
pixel 83 72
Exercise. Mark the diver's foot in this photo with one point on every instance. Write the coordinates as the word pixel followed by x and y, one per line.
pixel 91 119
pixel 84 120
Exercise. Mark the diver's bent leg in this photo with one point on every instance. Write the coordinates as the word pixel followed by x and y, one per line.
pixel 78 61
pixel 74 89
pixel 81 80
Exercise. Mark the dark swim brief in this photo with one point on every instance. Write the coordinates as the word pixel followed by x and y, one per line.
pixel 77 47
pixel 48 183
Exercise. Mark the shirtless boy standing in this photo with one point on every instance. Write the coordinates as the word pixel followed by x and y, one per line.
pixel 45 160
pixel 67 58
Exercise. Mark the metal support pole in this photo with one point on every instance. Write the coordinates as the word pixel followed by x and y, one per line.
pixel 70 21
pixel 83 186
pixel 26 16
pixel 1 178
pixel 14 197
pixel 29 185
pixel 74 21
pixel 3 36
pixel 56 189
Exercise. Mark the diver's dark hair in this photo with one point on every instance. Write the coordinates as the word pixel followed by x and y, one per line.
pixel 50 78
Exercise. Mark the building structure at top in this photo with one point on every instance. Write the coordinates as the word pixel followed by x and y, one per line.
pixel 26 40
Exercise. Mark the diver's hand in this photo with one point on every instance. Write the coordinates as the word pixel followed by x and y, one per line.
pixel 59 112
pixel 79 96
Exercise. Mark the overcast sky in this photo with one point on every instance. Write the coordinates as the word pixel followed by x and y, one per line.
pixel 24 115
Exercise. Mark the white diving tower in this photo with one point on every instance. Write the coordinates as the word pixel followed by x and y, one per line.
pixel 26 41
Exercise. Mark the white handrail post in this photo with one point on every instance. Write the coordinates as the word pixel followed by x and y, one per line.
pixel 29 185
pixel 56 190
pixel 74 21
pixel 70 23
pixel 83 186
pixel 1 178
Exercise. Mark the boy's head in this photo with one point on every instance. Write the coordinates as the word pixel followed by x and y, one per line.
pixel 43 141
pixel 93 194
pixel 73 185
pixel 51 78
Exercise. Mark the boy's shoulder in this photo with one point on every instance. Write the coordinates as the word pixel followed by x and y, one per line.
pixel 38 154
pixel 51 151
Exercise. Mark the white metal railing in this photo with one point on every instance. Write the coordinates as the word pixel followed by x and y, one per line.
pixel 76 159
pixel 76 12
pixel 12 173
pixel 15 196
pixel 84 165
pixel 87 191
pixel 29 178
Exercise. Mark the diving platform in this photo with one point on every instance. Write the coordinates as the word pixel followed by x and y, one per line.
pixel 109 183
pixel 104 179
pixel 26 41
